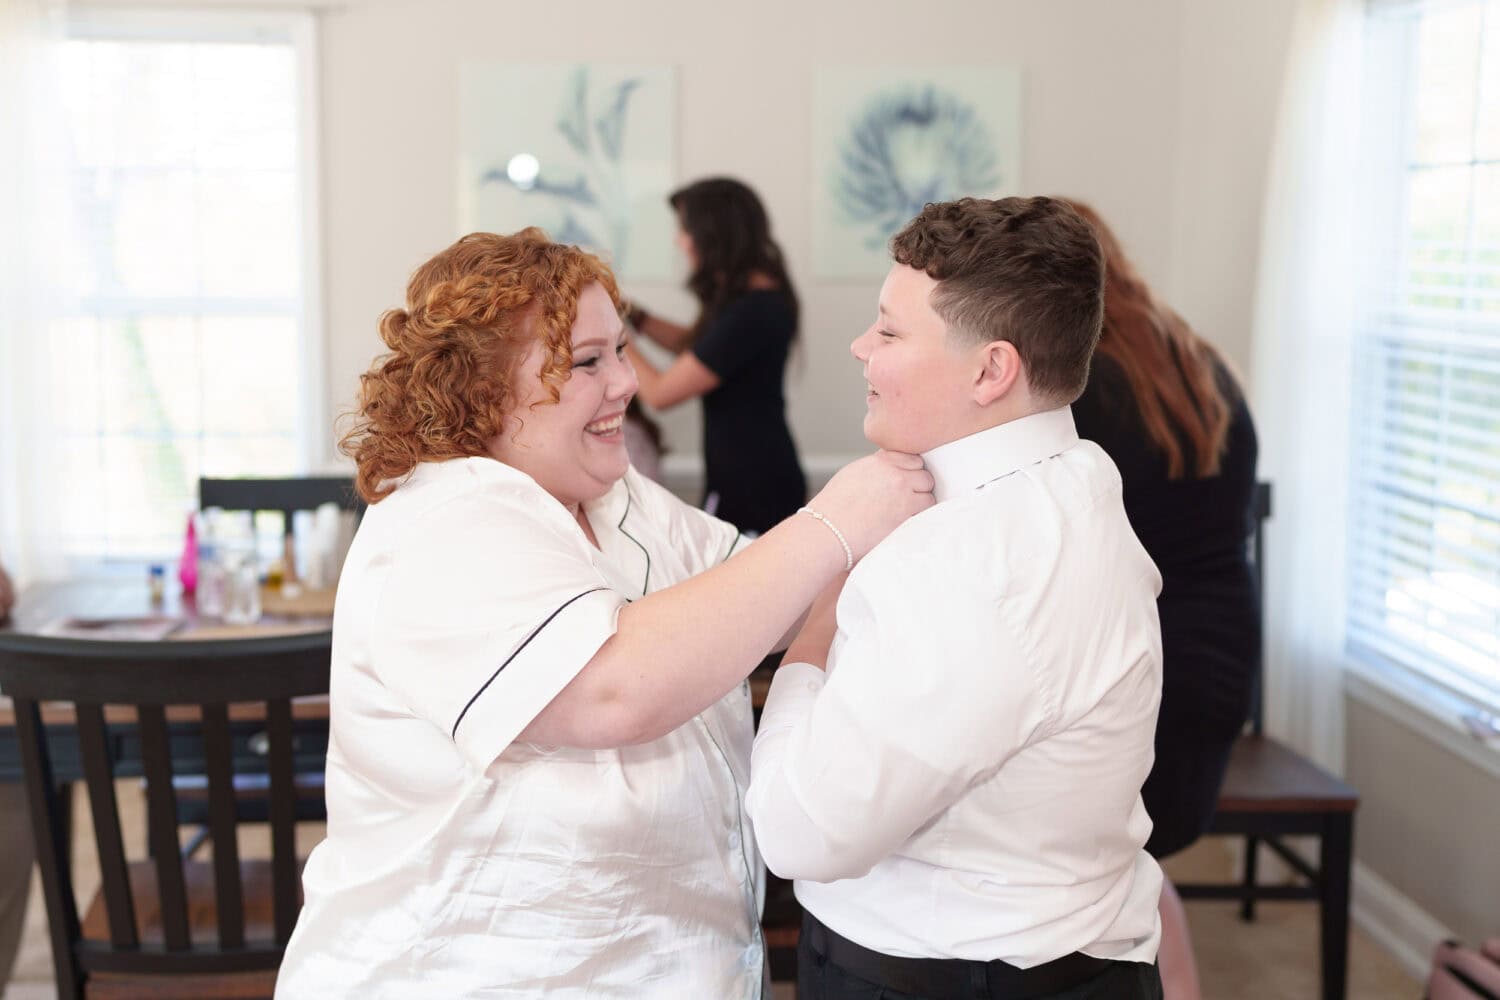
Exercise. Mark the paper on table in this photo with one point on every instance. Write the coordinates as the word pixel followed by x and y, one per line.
pixel 147 628
pixel 306 602
pixel 260 630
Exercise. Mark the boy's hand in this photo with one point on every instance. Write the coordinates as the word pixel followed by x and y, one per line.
pixel 811 644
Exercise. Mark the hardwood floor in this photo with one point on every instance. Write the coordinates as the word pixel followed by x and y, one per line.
pixel 1276 957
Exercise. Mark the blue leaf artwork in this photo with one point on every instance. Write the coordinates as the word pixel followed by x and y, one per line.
pixel 911 146
pixel 608 204
pixel 610 125
pixel 583 151
pixel 885 144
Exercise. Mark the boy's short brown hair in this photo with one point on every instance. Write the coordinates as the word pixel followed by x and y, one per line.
pixel 1025 270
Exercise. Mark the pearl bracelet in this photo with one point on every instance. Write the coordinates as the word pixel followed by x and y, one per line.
pixel 848 552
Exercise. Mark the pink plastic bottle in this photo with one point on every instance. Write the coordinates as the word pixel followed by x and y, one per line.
pixel 187 568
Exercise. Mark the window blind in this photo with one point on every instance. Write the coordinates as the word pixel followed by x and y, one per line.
pixel 1424 573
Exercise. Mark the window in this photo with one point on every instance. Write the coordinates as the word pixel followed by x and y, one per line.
pixel 1424 590
pixel 193 345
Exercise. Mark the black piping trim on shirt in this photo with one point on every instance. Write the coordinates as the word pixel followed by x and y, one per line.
pixel 628 500
pixel 524 643
pixel 730 551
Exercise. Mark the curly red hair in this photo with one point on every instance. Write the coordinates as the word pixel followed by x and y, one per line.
pixel 450 379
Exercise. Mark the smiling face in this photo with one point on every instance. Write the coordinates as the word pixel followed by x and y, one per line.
pixel 921 382
pixel 574 448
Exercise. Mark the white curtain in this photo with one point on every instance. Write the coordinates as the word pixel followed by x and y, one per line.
pixel 1303 333
pixel 33 230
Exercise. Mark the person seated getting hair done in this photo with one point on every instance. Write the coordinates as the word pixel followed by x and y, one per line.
pixel 950 763
pixel 1163 404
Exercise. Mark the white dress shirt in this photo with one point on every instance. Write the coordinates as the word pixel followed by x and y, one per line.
pixel 964 781
pixel 460 862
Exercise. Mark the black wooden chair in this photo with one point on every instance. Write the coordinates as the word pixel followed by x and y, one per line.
pixel 164 926
pixel 284 495
pixel 1271 792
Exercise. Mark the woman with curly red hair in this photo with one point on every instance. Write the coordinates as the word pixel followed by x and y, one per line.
pixel 540 729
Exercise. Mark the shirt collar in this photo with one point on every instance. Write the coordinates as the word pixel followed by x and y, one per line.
pixel 610 508
pixel 964 465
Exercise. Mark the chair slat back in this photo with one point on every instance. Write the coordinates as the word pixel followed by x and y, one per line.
pixel 53 851
pixel 161 827
pixel 1260 512
pixel 99 771
pixel 283 817
pixel 229 893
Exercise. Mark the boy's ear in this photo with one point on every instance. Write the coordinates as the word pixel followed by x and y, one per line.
pixel 998 370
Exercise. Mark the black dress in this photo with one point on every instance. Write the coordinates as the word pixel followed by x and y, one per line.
pixel 749 458
pixel 1196 531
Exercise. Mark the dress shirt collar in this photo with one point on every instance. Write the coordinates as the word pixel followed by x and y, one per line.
pixel 611 508
pixel 968 463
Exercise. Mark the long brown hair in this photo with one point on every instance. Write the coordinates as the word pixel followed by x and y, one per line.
pixel 732 235
pixel 1171 370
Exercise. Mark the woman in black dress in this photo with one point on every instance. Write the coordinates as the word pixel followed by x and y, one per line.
pixel 733 355
pixel 1163 404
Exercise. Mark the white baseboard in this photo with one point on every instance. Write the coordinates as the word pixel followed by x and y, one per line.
pixel 1405 930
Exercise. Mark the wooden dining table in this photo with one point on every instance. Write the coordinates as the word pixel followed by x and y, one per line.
pixel 42 608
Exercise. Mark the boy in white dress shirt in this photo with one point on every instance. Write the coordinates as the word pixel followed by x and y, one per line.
pixel 950 763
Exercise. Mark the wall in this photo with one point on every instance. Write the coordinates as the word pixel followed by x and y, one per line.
pixel 1157 111
pixel 1428 825
pixel 1228 85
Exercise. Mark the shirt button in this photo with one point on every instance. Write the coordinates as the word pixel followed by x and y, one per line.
pixel 751 957
pixel 812 686
pixel 734 840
